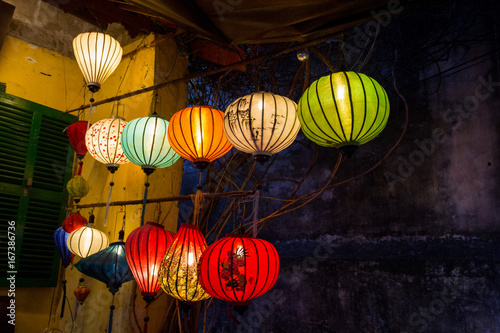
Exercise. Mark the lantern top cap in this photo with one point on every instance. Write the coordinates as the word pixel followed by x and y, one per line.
pixel 237 235
pixel 189 226
pixel 154 224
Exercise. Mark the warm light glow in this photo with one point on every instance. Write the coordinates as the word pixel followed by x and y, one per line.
pixel 145 143
pixel 196 134
pixel 98 55
pixel 103 141
pixel 178 270
pixel 261 124
pixel 86 241
pixel 344 109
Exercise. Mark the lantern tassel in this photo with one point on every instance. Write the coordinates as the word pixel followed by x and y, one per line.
pixel 108 202
pixel 233 317
pixel 76 308
pixel 64 298
pixel 111 308
pixel 146 319
pixel 255 212
pixel 79 173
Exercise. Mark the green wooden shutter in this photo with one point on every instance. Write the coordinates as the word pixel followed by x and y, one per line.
pixel 36 161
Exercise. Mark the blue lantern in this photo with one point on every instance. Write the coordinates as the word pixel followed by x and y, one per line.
pixel 60 238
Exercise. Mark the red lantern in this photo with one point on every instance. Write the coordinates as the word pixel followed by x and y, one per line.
pixel 81 293
pixel 76 135
pixel 238 268
pixel 74 221
pixel 144 250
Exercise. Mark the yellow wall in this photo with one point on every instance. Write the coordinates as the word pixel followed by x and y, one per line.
pixel 145 61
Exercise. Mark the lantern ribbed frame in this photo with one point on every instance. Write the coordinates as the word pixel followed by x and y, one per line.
pixel 343 109
pixel 179 269
pixel 73 222
pixel 86 241
pixel 76 135
pixel 238 268
pixel 77 187
pixel 97 55
pixel 60 239
pixel 144 249
pixel 145 143
pixel 196 134
pixel 108 265
pixel 103 141
pixel 262 123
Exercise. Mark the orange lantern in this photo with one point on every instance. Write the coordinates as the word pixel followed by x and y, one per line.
pixel 196 133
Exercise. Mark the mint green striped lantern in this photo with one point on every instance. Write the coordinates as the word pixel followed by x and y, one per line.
pixel 145 143
pixel 343 110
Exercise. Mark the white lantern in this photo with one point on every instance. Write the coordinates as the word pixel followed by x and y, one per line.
pixel 261 124
pixel 86 241
pixel 103 142
pixel 98 55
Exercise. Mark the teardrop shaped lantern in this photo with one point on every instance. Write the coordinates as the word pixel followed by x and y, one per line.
pixel 238 268
pixel 74 221
pixel 60 238
pixel 77 187
pixel 76 135
pixel 178 270
pixel 196 134
pixel 261 124
pixel 98 55
pixel 103 142
pixel 343 110
pixel 145 143
pixel 81 292
pixel 145 248
pixel 87 240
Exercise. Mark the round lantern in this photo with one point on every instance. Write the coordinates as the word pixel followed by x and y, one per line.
pixel 178 270
pixel 343 110
pixel 74 221
pixel 78 187
pixel 60 238
pixel 144 142
pixel 196 134
pixel 261 124
pixel 144 250
pixel 98 55
pixel 238 268
pixel 86 241
pixel 103 142
pixel 76 135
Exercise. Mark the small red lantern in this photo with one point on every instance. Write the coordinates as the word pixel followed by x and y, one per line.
pixel 238 268
pixel 76 135
pixel 74 221
pixel 144 250
pixel 81 293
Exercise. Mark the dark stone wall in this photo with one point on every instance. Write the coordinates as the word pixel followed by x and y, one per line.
pixel 411 246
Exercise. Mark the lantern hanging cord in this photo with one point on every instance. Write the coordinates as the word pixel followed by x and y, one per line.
pixel 145 199
pixel 111 184
pixel 90 112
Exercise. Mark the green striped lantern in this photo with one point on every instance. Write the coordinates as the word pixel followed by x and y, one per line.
pixel 145 143
pixel 78 187
pixel 343 110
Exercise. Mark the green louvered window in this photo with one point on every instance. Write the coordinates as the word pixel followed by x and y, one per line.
pixel 36 161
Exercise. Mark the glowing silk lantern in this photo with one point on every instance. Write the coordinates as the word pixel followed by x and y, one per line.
pixel 261 124
pixel 77 187
pixel 87 240
pixel 144 142
pixel 60 238
pixel 74 221
pixel 178 270
pixel 196 133
pixel 238 268
pixel 76 135
pixel 145 248
pixel 343 110
pixel 103 142
pixel 98 55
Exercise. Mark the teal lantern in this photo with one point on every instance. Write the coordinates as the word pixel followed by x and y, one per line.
pixel 144 142
pixel 343 110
